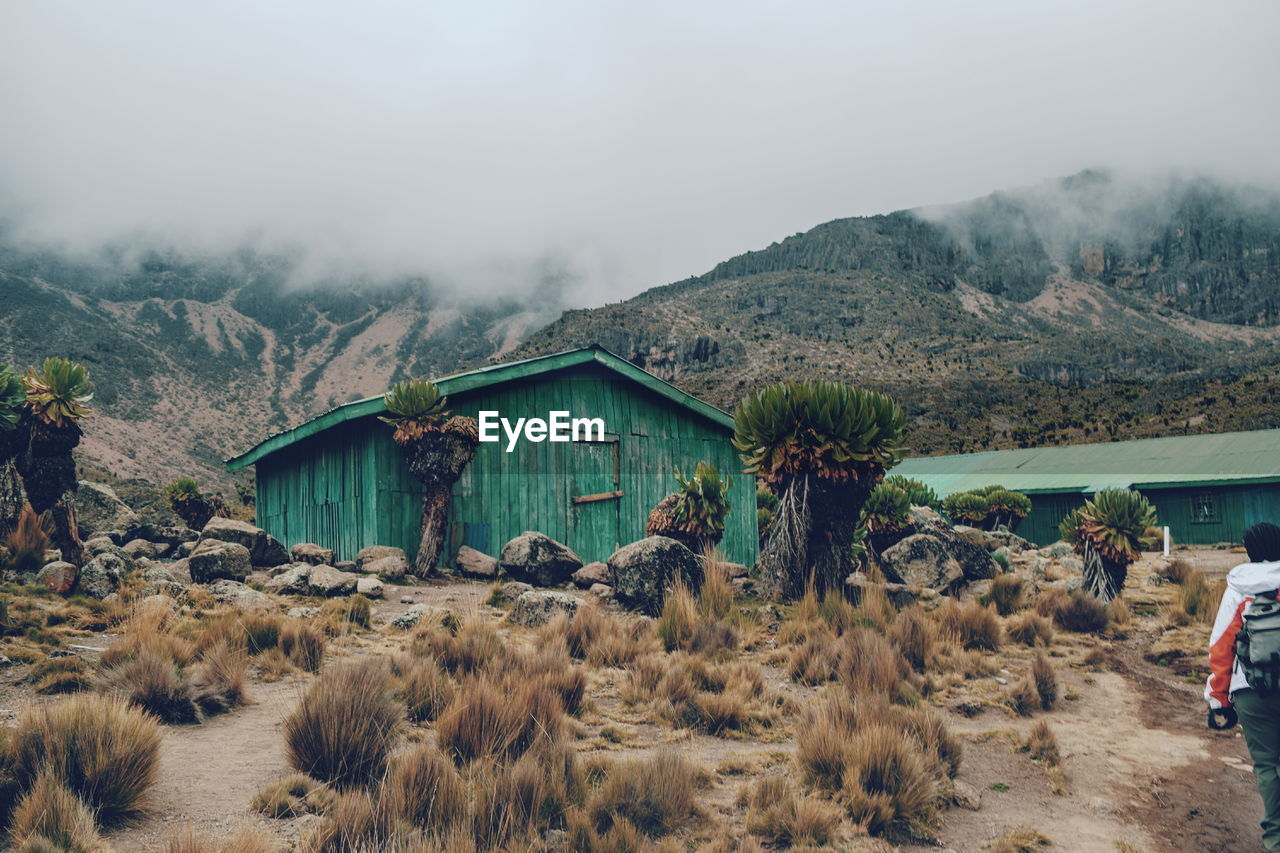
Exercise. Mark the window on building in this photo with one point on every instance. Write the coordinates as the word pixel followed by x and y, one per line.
pixel 1204 508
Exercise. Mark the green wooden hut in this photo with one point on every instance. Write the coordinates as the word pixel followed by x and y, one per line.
pixel 338 480
pixel 1206 488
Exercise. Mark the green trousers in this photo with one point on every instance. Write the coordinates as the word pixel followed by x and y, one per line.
pixel 1260 719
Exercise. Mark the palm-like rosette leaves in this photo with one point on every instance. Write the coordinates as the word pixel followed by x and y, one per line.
pixel 1115 522
pixel 416 406
pixel 966 508
pixel 12 399
pixel 1005 503
pixel 183 488
pixel 1070 525
pixel 701 505
pixel 827 429
pixel 59 393
pixel 887 510
pixel 917 492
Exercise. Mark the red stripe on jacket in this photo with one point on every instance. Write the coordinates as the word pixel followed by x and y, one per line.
pixel 1222 657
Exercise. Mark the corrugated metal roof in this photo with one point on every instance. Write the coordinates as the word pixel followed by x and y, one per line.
pixel 482 377
pixel 1221 458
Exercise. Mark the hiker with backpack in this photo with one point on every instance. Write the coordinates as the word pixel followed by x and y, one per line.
pixel 1244 666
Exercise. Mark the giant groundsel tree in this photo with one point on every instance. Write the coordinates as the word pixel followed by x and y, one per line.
pixel 1107 533
pixel 821 447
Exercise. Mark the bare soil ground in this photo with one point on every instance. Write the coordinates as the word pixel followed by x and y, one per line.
pixel 1140 770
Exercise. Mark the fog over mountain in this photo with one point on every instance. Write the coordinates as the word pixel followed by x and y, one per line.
pixel 488 148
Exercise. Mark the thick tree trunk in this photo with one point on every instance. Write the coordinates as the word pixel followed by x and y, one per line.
pixel 438 459
pixel 12 497
pixel 811 540
pixel 65 536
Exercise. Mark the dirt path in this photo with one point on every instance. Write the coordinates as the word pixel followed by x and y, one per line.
pixel 210 772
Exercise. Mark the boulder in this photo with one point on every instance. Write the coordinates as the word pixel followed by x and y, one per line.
pixel 328 581
pixel 975 562
pixel 98 507
pixel 58 577
pixel 99 545
pixel 184 549
pixel 538 607
pixel 1058 550
pixel 899 594
pixel 538 559
pixel 100 576
pixel 601 590
pixel 391 568
pixel 419 613
pixel 590 575
pixel 369 587
pixel 345 566
pixel 264 550
pixel 508 592
pixel 171 535
pixel 922 560
pixel 377 552
pixel 993 539
pixel 214 560
pixel 311 554
pixel 241 597
pixel 136 548
pixel 643 571
pixel 294 580
pixel 474 564
pixel 303 612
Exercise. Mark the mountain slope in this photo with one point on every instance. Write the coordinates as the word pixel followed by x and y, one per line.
pixel 194 360
pixel 1087 308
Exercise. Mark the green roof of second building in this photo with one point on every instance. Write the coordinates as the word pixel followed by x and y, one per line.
pixel 1221 458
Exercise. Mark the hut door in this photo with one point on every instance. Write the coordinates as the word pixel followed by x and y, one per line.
pixel 596 498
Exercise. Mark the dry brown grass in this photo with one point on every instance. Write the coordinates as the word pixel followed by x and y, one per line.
pixel 343 729
pixel 495 720
pixel 1023 698
pixel 153 682
pixel 101 748
pixel 814 661
pixel 971 624
pixel 1198 598
pixel 218 678
pixel 247 840
pixel 655 794
pixel 715 597
pixel 423 685
pixel 293 796
pixel 1006 593
pixel 777 813
pixel 1045 680
pixel 822 739
pixel 1030 629
pixel 476 646
pixel 1021 840
pixel 1177 570
pixel 423 788
pixel 49 816
pixel 25 545
pixel 1042 744
pixel 599 638
pixel 887 781
pixel 915 636
pixel 302 644
pixel 869 663
pixel 55 675
pixel 515 803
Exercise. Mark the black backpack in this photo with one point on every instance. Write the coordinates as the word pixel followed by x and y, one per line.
pixel 1258 643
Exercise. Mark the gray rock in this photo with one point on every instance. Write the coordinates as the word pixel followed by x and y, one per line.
pixel 99 545
pixel 328 581
pixel 180 570
pixel 643 571
pixel 312 554
pixel 1072 564
pixel 264 550
pixel 369 587
pixel 294 580
pixel 965 796
pixel 975 562
pixel 590 575
pixel 601 590
pixel 58 577
pixel 1154 579
pixel 171 589
pixel 1057 551
pixel 171 535
pixel 508 592
pixel 346 566
pixel 98 507
pixel 538 607
pixel 377 552
pixel 390 568
pixel 420 613
pixel 993 539
pixel 136 548
pixel 241 597
pixel 184 549
pixel 922 560
pixel 537 559
pixel 474 564
pixel 899 594
pixel 100 576
pixel 214 560
pixel 303 612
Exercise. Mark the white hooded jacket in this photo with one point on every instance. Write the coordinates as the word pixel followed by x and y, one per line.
pixel 1243 583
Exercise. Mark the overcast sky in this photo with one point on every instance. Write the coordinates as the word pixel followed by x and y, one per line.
pixel 632 144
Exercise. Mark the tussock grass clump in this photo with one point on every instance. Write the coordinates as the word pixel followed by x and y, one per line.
pixel 776 813
pixel 154 683
pixel 715 597
pixel 1119 614
pixel 293 796
pixel 424 788
pixel 476 646
pixel 687 691
pixel 1030 629
pixel 247 840
pixel 1021 840
pixel 887 781
pixel 1198 599
pixel 357 821
pixel 822 740
pixel 874 608
pixel 67 674
pixel 973 625
pixel 814 661
pixel 218 679
pixel 679 618
pixel 1082 613
pixel 1042 744
pixel 101 748
pixel 600 638
pixel 869 663
pixel 515 803
pixel 1023 698
pixel 1046 682
pixel 655 794
pixel 51 817
pixel 914 635
pixel 840 615
pixel 346 724
pixel 1178 570
pixel 423 685
pixel 302 644
pixel 498 720
pixel 1006 594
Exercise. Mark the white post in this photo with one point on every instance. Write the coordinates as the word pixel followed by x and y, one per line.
pixel 1166 540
